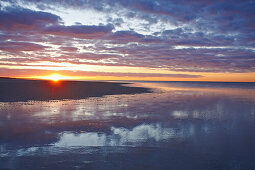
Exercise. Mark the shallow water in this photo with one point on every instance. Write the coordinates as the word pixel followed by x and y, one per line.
pixel 178 126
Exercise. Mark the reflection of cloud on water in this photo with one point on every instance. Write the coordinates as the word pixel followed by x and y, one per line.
pixel 180 114
pixel 83 139
pixel 122 136
pixel 141 135
pixel 173 103
pixel 113 120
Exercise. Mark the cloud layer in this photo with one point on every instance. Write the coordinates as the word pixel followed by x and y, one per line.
pixel 178 36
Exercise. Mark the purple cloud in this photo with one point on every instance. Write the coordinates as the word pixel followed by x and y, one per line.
pixel 69 49
pixel 79 31
pixel 20 46
pixel 20 19
pixel 204 36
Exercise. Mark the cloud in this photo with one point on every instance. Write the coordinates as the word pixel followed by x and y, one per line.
pixel 69 49
pixel 20 46
pixel 114 74
pixel 126 36
pixel 36 72
pixel 21 19
pixel 190 36
pixel 79 31
pixel 178 11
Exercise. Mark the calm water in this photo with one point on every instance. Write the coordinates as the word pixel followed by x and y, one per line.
pixel 178 126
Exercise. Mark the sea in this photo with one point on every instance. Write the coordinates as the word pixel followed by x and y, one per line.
pixel 178 126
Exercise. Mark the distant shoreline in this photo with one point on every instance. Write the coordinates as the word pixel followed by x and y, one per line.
pixel 17 90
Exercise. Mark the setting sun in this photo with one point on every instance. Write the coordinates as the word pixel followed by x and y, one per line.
pixel 54 77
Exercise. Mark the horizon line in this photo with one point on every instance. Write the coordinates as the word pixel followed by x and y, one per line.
pixel 23 78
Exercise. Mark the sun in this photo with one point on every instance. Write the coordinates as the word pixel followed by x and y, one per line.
pixel 54 77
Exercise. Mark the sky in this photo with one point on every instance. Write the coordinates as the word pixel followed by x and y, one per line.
pixel 164 40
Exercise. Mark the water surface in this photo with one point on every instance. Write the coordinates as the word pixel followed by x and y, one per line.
pixel 178 126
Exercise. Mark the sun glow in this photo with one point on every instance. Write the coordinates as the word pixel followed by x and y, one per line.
pixel 55 77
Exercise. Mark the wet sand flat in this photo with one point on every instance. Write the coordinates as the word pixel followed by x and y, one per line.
pixel 13 90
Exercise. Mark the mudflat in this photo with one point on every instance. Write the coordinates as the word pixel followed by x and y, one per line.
pixel 13 90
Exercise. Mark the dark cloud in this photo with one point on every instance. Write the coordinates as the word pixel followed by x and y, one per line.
pixel 79 31
pixel 20 19
pixel 93 56
pixel 126 36
pixel 20 46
